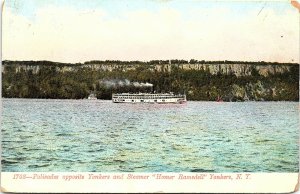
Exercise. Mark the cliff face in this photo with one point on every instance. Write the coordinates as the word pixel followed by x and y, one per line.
pixel 224 69
pixel 201 81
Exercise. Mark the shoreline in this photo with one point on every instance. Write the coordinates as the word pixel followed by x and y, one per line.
pixel 85 99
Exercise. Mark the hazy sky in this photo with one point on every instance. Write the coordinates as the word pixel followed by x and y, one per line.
pixel 83 30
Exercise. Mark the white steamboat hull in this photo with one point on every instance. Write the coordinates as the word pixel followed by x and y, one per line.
pixel 159 101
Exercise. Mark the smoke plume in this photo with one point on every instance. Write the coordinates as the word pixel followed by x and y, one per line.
pixel 111 83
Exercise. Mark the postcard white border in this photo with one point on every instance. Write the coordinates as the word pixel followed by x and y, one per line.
pixel 80 182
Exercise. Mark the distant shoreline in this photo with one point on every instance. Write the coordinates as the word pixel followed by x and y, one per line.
pixel 4 98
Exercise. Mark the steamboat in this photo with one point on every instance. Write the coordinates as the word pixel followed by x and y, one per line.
pixel 92 97
pixel 159 98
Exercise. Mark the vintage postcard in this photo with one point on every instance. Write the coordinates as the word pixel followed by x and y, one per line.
pixel 164 96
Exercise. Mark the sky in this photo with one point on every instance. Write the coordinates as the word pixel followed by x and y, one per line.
pixel 83 30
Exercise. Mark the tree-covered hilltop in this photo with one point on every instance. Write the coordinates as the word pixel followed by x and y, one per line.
pixel 200 80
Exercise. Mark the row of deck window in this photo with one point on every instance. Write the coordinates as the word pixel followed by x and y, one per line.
pixel 145 97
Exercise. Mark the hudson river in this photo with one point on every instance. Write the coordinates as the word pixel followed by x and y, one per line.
pixel 100 136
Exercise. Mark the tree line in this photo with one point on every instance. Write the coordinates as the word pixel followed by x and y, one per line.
pixel 151 62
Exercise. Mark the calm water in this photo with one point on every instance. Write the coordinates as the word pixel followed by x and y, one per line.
pixel 83 135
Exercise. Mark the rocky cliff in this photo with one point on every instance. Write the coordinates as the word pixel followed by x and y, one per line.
pixel 232 81
pixel 237 69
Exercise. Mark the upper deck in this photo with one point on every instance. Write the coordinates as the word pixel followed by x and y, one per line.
pixel 148 95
